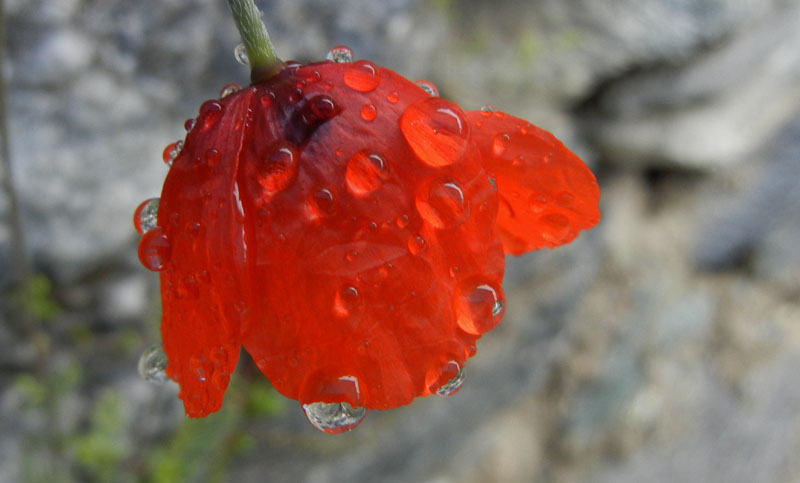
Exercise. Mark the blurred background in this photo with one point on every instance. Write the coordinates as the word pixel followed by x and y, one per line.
pixel 662 346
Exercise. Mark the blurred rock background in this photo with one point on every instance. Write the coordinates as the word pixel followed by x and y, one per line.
pixel 661 346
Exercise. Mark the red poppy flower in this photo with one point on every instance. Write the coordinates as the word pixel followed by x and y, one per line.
pixel 348 228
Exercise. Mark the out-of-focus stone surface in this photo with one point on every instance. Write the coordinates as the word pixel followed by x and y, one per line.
pixel 661 346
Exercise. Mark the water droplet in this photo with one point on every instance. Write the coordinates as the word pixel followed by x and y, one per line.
pixel 334 418
pixel 555 227
pixel 445 381
pixel 153 365
pixel 340 54
pixel 362 77
pixel 278 170
pixel 154 249
pixel 402 221
pixel 393 97
pixel 369 112
pixel 321 202
pixel 188 125
pixel 565 199
pixel 197 367
pixel 267 98
pixel 500 144
pixel 479 307
pixel 416 244
pixel 240 52
pixel 454 271
pixel 171 152
pixel 537 203
pixel 436 131
pixel 345 301
pixel 212 158
pixel 228 89
pixel 323 107
pixel 365 173
pixel 443 204
pixel 487 110
pixel 307 116
pixel 210 113
pixel 428 87
pixel 146 215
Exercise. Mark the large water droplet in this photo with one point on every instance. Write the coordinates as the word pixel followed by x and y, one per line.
pixel 443 204
pixel 340 54
pixel 154 249
pixel 362 77
pixel 171 152
pixel 445 381
pixel 240 52
pixel 210 113
pixel 365 173
pixel 146 215
pixel 428 87
pixel 308 116
pixel 436 131
pixel 334 418
pixel 278 170
pixel 555 227
pixel 228 89
pixel 153 365
pixel 479 307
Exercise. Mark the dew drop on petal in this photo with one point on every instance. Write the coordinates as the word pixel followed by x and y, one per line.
pixel 500 144
pixel 365 173
pixel 323 107
pixel 189 124
pixel 278 170
pixel 362 77
pixel 154 249
pixel 436 131
pixel 240 52
pixel 479 307
pixel 428 87
pixel 393 97
pixel 334 418
pixel 228 89
pixel 443 204
pixel 153 365
pixel 555 227
pixel 416 244
pixel 565 199
pixel 369 112
pixel 210 114
pixel 537 203
pixel 487 110
pixel 445 381
pixel 146 215
pixel 171 152
pixel 340 54
pixel 321 202
pixel 345 301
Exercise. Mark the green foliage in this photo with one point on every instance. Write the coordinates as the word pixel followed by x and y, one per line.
pixel 100 450
pixel 263 400
pixel 35 298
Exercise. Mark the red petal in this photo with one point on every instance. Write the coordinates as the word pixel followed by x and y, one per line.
pixel 202 283
pixel 546 193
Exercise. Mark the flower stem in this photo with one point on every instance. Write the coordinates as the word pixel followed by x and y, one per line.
pixel 260 52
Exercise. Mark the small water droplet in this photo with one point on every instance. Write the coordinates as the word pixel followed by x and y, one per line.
pixel 345 301
pixel 565 199
pixel 443 204
pixel 537 203
pixel 479 307
pixel 197 367
pixel 334 418
pixel 171 152
pixel 362 77
pixel 436 131
pixel 188 125
pixel 210 114
pixel 365 173
pixel 393 97
pixel 447 380
pixel 402 221
pixel 212 158
pixel 555 227
pixel 416 244
pixel 146 215
pixel 487 110
pixel 428 87
pixel 228 89
pixel 153 365
pixel 154 249
pixel 340 54
pixel 454 271
pixel 278 170
pixel 500 144
pixel 267 98
pixel 369 112
pixel 240 52
pixel 321 203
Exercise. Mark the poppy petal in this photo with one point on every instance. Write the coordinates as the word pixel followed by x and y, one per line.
pixel 546 194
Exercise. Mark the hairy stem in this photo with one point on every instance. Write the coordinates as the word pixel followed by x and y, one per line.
pixel 260 52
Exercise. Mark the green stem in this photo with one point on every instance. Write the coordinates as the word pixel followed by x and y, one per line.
pixel 260 52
